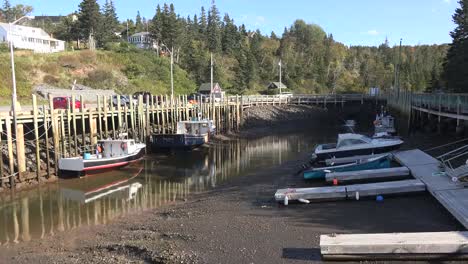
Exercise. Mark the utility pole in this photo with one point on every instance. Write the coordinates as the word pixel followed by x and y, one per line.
pixel 280 75
pixel 397 71
pixel 172 73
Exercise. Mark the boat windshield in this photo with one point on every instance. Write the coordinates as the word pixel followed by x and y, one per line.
pixel 346 142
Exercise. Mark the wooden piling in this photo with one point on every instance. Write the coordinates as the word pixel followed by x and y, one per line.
pixel 10 151
pixel 36 135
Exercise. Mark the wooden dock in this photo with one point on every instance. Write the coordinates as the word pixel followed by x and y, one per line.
pixel 430 245
pixel 349 191
pixel 453 196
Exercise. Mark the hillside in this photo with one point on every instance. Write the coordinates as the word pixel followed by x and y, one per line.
pixel 124 69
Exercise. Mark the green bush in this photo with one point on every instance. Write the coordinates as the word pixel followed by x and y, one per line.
pixel 133 70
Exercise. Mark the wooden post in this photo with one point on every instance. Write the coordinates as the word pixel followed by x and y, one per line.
pixel 46 134
pixel 112 110
pixel 2 182
pixel 132 120
pixel 83 125
pixel 99 118
pixel 62 135
pixel 20 151
pixel 106 123
pixel 69 137
pixel 55 133
pixel 119 113
pixel 36 134
pixel 156 112
pixel 75 138
pixel 10 151
pixel 92 128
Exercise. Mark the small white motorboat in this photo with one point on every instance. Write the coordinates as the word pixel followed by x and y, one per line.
pixel 353 145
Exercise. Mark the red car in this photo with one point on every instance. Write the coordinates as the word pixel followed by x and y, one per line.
pixel 61 103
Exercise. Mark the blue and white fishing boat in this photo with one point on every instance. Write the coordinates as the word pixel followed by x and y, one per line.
pixel 378 162
pixel 190 135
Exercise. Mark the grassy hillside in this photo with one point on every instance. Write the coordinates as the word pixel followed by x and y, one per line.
pixel 124 69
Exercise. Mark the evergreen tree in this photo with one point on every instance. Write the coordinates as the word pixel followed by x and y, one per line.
pixel 230 37
pixel 89 18
pixel 214 29
pixel 203 21
pixel 109 24
pixel 157 24
pixel 139 27
pixel 456 67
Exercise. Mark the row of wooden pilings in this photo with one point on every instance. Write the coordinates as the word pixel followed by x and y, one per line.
pixel 44 134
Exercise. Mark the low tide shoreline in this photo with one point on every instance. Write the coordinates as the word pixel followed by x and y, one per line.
pixel 236 222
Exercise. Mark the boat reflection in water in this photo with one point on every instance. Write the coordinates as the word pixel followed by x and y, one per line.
pixel 150 183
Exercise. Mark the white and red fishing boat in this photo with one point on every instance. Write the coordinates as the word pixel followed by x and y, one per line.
pixel 109 154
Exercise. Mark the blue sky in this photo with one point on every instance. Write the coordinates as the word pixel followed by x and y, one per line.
pixel 353 22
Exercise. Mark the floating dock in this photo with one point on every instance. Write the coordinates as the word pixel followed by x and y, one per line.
pixel 453 196
pixel 368 175
pixel 349 191
pixel 339 161
pixel 432 245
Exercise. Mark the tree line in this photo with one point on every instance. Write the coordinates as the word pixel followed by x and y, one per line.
pixel 246 61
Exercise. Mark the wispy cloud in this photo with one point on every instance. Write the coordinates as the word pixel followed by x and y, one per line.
pixel 259 20
pixel 372 32
pixel 447 1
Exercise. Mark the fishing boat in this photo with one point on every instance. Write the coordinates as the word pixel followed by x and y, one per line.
pixel 109 154
pixel 353 145
pixel 378 162
pixel 189 135
pixel 384 124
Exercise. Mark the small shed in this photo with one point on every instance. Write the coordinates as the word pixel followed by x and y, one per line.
pixel 205 89
pixel 276 85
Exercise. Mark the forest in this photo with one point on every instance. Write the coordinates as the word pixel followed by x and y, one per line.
pixel 246 61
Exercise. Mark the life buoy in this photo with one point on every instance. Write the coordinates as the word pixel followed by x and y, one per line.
pixel 123 146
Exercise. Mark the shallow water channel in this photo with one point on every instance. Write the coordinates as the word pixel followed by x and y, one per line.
pixel 156 180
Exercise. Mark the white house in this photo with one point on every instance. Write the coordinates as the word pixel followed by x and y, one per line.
pixel 143 40
pixel 30 38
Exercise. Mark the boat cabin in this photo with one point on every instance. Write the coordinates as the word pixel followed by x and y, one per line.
pixel 116 148
pixel 202 127
pixel 348 140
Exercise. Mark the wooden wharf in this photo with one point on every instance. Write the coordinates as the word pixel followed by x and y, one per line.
pixel 45 134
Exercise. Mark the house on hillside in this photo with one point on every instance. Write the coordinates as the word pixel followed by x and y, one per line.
pixel 205 89
pixel 30 38
pixel 143 40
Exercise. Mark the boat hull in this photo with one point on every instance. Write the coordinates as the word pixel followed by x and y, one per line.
pixel 319 173
pixel 321 157
pixel 177 141
pixel 101 165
